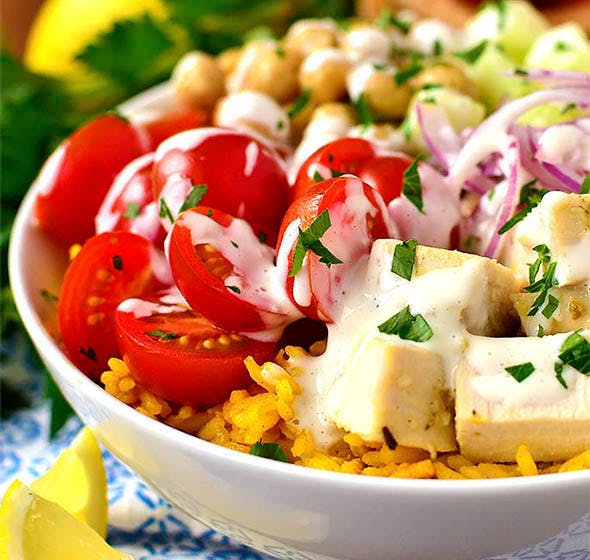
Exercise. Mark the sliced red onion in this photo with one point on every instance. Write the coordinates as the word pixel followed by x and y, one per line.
pixel 571 183
pixel 510 200
pixel 489 137
pixel 440 137
pixel 556 78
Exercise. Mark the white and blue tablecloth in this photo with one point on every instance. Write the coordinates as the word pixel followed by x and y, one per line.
pixel 142 523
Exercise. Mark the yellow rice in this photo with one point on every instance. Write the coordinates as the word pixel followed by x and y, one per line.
pixel 263 412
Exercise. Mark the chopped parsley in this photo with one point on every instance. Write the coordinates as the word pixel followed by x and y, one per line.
pixel 430 100
pixel 280 52
pixel 502 7
pixel 471 56
pixel 165 211
pixel 234 244
pixel 559 374
pixel 386 18
pixel 88 352
pixel 585 186
pixel 412 186
pixel 569 107
pixel 562 46
pixel 575 351
pixel 437 47
pixel 317 176
pixel 547 280
pixel 431 86
pixel 159 334
pixel 280 125
pixel 520 72
pixel 521 371
pixel 540 331
pixel 404 256
pixel 407 326
pixel 269 451
pixel 48 296
pixel 194 197
pixel 309 240
pixel 118 262
pixel 529 198
pixel 132 211
pixel 551 307
pixel 234 289
pixel 365 115
pixel 262 236
pixel 209 213
pixel 402 76
pixel 299 104
pixel 380 66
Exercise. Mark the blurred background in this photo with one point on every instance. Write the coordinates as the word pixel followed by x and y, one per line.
pixel 65 61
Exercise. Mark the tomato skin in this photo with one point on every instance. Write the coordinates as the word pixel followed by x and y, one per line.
pixel 346 155
pixel 349 238
pixel 78 175
pixel 203 288
pixel 133 185
pixel 172 123
pixel 184 370
pixel 386 174
pixel 109 268
pixel 244 178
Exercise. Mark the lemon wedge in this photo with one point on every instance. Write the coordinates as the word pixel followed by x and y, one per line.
pixel 77 482
pixel 32 528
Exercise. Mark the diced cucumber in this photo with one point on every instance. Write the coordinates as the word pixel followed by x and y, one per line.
pixel 553 113
pixel 562 48
pixel 514 24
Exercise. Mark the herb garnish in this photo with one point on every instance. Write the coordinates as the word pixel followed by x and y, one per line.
pixel 118 262
pixel 502 8
pixel 402 76
pixel 569 107
pixel 165 211
pixel 379 66
pixel 159 334
pixel 562 46
pixel 404 255
pixel 540 331
pixel 234 244
pixel 585 186
pixel 317 176
pixel 132 211
pixel 262 236
pixel 299 104
pixel 520 72
pixel 269 451
pixel 558 367
pixel 194 197
pixel 386 18
pixel 309 240
pixel 89 353
pixel 280 52
pixel 412 186
pixel 407 326
pixel 547 280
pixel 471 56
pixel 521 371
pixel 209 213
pixel 437 47
pixel 48 296
pixel 575 351
pixel 365 115
pixel 234 289
pixel 530 198
pixel 552 305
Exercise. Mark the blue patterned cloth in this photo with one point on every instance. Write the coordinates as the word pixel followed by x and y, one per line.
pixel 145 525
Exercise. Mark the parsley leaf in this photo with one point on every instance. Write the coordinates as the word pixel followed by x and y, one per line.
pixel 159 334
pixel 530 198
pixel 402 76
pixel 317 177
pixel 165 211
pixel 309 240
pixel 575 351
pixel 118 262
pixel 365 115
pixel 437 47
pixel 404 255
pixel 559 374
pixel 131 53
pixel 521 371
pixel 269 451
pixel 520 72
pixel 386 18
pixel 545 283
pixel 407 326
pixel 194 197
pixel 412 186
pixel 471 56
pixel 262 236
pixel 132 211
pixel 299 104
pixel 585 186
pixel 569 107
pixel 551 306
pixel 234 289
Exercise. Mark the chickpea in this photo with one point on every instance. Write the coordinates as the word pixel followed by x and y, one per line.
pixel 384 135
pixel 379 89
pixel 447 75
pixel 269 68
pixel 324 73
pixel 333 118
pixel 307 35
pixel 365 42
pixel 253 111
pixel 228 60
pixel 198 81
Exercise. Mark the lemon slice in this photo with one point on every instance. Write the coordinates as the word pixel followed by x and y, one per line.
pixel 32 528
pixel 77 482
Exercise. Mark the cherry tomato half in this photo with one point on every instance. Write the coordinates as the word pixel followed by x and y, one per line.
pixel 357 217
pixel 386 174
pixel 180 356
pixel 243 177
pixel 129 205
pixel 225 270
pixel 173 123
pixel 109 268
pixel 77 176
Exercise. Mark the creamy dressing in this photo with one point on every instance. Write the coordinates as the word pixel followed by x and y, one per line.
pixel 424 33
pixel 315 61
pixel 386 141
pixel 566 146
pixel 367 43
pixel 252 153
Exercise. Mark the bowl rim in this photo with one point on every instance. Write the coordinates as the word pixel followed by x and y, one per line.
pixel 51 352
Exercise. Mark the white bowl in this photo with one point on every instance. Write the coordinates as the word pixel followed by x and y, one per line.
pixel 285 510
